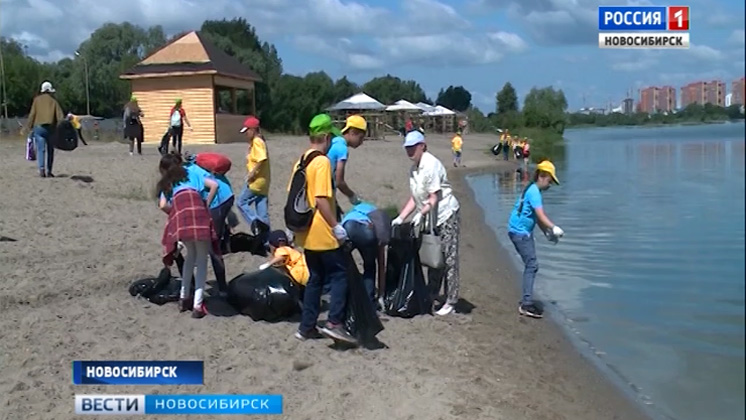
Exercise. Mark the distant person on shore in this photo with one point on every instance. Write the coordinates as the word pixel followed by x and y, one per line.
pixel 529 210
pixel 526 150
pixel 189 222
pixel 457 143
pixel 177 119
pixel 255 191
pixel 133 129
pixel 505 140
pixel 352 135
pixel 322 240
pixel 43 118
pixel 431 192
pixel 75 121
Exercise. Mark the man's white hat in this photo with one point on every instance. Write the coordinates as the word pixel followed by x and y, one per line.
pixel 47 87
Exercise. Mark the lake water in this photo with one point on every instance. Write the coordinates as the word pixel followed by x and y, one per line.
pixel 650 274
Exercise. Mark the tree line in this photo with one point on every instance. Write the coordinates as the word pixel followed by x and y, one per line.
pixel 692 113
pixel 285 102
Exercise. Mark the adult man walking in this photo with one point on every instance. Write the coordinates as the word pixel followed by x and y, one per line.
pixel 43 118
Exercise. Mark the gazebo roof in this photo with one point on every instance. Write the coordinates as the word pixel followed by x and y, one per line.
pixel 187 55
pixel 360 101
pixel 403 105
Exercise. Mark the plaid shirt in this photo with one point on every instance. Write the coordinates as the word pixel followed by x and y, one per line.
pixel 189 220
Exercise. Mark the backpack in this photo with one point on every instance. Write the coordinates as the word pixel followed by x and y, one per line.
pixel 298 213
pixel 176 118
pixel 213 162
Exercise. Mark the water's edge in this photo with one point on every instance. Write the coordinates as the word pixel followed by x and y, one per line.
pixel 584 346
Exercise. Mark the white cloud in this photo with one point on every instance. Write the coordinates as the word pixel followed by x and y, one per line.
pixel 510 41
pixel 705 53
pixel 738 37
pixel 443 49
pixel 433 13
pixel 634 65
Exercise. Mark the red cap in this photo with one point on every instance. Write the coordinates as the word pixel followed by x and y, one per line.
pixel 250 122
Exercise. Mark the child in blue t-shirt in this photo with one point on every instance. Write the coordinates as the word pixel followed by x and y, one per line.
pixel 529 210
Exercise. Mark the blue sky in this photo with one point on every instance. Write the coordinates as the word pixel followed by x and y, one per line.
pixel 480 44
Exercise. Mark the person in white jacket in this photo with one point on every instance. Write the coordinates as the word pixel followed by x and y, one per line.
pixel 430 189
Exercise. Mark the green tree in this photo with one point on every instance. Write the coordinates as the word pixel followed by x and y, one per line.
pixel 389 89
pixel 478 122
pixel 545 108
pixel 343 89
pixel 22 77
pixel 454 98
pixel 507 100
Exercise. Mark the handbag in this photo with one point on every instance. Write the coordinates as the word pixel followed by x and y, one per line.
pixel 431 246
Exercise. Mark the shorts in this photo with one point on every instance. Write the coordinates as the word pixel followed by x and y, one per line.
pixel 457 154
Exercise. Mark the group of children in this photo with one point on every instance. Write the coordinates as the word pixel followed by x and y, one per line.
pixel 520 147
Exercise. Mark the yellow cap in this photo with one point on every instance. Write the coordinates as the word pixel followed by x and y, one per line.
pixel 548 167
pixel 355 121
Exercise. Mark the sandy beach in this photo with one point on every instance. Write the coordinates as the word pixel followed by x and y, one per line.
pixel 79 245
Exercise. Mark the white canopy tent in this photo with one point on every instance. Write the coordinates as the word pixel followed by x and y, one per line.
pixel 359 101
pixel 425 107
pixel 403 105
pixel 439 111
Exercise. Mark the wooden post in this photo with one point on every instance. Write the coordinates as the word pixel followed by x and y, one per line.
pixel 234 101
pixel 253 99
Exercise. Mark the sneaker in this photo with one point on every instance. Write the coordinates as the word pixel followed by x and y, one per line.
pixel 132 154
pixel 381 304
pixel 50 175
pixel 184 304
pixel 445 310
pixel 337 333
pixel 530 311
pixel 313 334
pixel 199 312
pixel 42 173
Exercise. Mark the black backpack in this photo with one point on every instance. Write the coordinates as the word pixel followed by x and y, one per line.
pixel 298 214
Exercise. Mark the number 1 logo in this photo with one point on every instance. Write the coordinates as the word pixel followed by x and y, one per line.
pixel 678 18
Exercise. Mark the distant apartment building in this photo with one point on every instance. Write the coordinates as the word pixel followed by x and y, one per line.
pixel 628 106
pixel 693 93
pixel 648 99
pixel 657 99
pixel 666 99
pixel 737 89
pixel 715 93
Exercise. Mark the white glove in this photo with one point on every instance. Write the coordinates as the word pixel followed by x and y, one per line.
pixel 397 221
pixel 340 233
pixel 264 266
pixel 355 200
pixel 417 219
pixel 557 231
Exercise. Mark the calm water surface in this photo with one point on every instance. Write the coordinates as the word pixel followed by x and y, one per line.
pixel 651 271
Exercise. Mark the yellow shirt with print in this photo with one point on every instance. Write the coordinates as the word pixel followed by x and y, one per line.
pixel 319 236
pixel 295 262
pixel 75 121
pixel 258 155
pixel 456 143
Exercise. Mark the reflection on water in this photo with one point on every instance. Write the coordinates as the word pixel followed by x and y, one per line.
pixel 653 258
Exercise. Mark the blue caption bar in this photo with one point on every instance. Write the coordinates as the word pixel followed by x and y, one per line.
pixel 213 404
pixel 632 18
pixel 111 372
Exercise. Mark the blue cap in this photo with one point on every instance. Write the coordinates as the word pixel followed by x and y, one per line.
pixel 275 237
pixel 414 138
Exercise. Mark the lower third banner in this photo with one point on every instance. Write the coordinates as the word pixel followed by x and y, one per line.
pixel 178 404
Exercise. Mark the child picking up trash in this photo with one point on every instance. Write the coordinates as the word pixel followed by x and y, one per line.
pixel 287 258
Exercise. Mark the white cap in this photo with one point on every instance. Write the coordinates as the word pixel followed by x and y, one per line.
pixel 47 87
pixel 414 138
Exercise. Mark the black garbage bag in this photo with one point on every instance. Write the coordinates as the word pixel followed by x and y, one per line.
pixel 243 242
pixel 65 136
pixel 159 290
pixel 496 149
pixel 267 295
pixel 406 293
pixel 361 319
pixel 170 293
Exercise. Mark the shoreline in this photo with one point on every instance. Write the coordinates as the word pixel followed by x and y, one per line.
pixel 65 298
pixel 601 396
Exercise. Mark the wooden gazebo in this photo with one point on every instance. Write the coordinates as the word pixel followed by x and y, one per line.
pixel 369 108
pixel 194 69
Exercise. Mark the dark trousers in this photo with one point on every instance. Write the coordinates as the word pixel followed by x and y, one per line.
pixel 176 135
pixel 363 238
pixel 325 267
pixel 80 136
pixel 219 215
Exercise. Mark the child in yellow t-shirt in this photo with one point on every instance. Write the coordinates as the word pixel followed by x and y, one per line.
pixel 456 144
pixel 287 257
pixel 256 188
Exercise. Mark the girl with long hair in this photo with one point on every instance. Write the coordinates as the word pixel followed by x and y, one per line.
pixel 189 222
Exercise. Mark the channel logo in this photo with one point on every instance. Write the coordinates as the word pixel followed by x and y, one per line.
pixel 648 27
pixel 197 404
